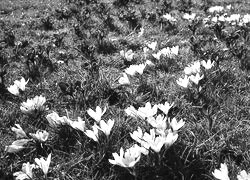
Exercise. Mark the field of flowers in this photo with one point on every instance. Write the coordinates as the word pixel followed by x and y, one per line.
pixel 125 89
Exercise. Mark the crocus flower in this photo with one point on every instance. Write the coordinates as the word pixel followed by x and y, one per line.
pixel 189 16
pixel 147 111
pixel 44 164
pixel 193 68
pixel 152 45
pixel 184 82
pixel 96 115
pixel 21 84
pixel 106 127
pixel 169 17
pixel 208 64
pixel 176 125
pixel 222 173
pixel 55 120
pixel 128 55
pixel 132 69
pixel 17 145
pixel 92 134
pixel 170 138
pixel 19 131
pixel 79 124
pixel 26 172
pixel 159 122
pixel 13 89
pixel 131 111
pixel 124 80
pixel 33 104
pixel 243 175
pixel 215 9
pixel 165 107
pixel 127 159
pixel 155 142
pixel 41 135
pixel 195 79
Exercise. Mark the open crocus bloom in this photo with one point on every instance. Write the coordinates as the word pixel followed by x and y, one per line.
pixel 96 115
pixel 44 164
pixel 159 122
pixel 152 45
pixel 41 136
pixel 33 104
pixel 106 127
pixel 55 120
pixel 208 64
pixel 221 173
pixel 124 79
pixel 165 107
pixel 243 175
pixel 79 124
pixel 127 159
pixel 195 79
pixel 147 111
pixel 21 84
pixel 132 69
pixel 26 172
pixel 184 82
pixel 176 125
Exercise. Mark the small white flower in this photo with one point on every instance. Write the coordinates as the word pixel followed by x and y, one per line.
pixel 106 127
pixel 55 120
pixel 141 32
pixel 170 138
pixel 17 145
pixel 189 16
pixel 26 172
pixel 208 64
pixel 132 69
pixel 193 68
pixel 222 173
pixel 184 82
pixel 79 124
pixel 159 122
pixel 124 80
pixel 44 164
pixel 21 84
pixel 129 55
pixel 176 125
pixel 195 79
pixel 131 111
pixel 96 115
pixel 215 9
pixel 165 107
pixel 243 175
pixel 169 17
pixel 41 135
pixel 147 111
pixel 19 131
pixel 13 89
pixel 157 55
pixel 152 45
pixel 92 134
pixel 33 104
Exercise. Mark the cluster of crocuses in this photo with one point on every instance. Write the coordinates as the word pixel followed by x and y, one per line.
pixel 27 168
pixel 160 135
pixel 193 73
pixel 222 173
pixel 55 120
pixel 17 86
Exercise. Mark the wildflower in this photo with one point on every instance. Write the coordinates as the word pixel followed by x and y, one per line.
pixel 243 175
pixel 170 138
pixel 21 84
pixel 131 111
pixel 33 104
pixel 79 124
pixel 147 111
pixel 159 122
pixel 17 145
pixel 92 134
pixel 152 45
pixel 132 69
pixel 189 16
pixel 55 120
pixel 44 164
pixel 141 32
pixel 157 55
pixel 221 173
pixel 129 55
pixel 137 135
pixel 246 18
pixel 165 107
pixel 127 159
pixel 184 82
pixel 195 79
pixel 106 127
pixel 96 115
pixel 41 136
pixel 124 80
pixel 169 17
pixel 192 69
pixel 19 131
pixel 208 64
pixel 176 125
pixel 13 89
pixel 26 172
pixel 148 62
pixel 215 9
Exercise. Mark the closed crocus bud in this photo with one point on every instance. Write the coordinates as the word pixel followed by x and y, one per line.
pixel 176 125
pixel 19 131
pixel 96 115
pixel 79 124
pixel 124 79
pixel 17 145
pixel 93 134
pixel 106 127
pixel 26 172
pixel 44 164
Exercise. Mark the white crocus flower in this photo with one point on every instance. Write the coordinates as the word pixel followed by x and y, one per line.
pixel 137 135
pixel 131 111
pixel 132 69
pixel 21 84
pixel 154 142
pixel 243 175
pixel 169 17
pixel 124 79
pixel 184 82
pixel 157 55
pixel 55 120
pixel 195 79
pixel 193 69
pixel 222 173
pixel 165 107
pixel 189 16
pixel 41 135
pixel 79 124
pixel 26 172
pixel 126 159
pixel 13 89
pixel 33 104
pixel 147 111
pixel 176 125
pixel 17 145
pixel 19 131
pixel 96 115
pixel 106 127
pixel 44 164
pixel 92 134
pixel 170 138
pixel 215 9
pixel 207 65
pixel 159 122
pixel 152 45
